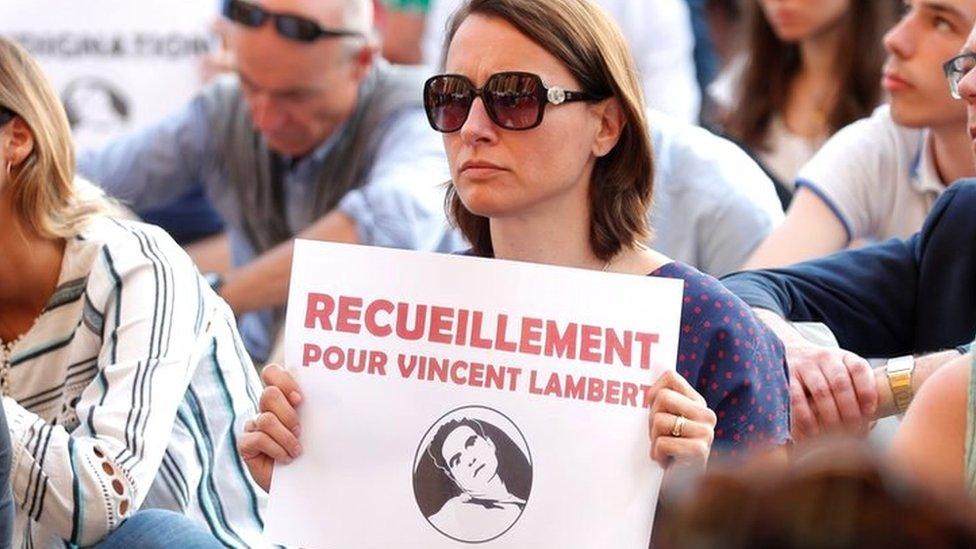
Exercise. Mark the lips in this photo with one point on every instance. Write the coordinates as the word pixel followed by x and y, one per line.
pixel 972 133
pixel 892 82
pixel 479 165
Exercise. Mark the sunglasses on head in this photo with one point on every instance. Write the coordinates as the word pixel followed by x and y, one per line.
pixel 6 115
pixel 294 27
pixel 513 100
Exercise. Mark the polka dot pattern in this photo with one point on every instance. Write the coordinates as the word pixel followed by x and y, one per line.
pixel 734 361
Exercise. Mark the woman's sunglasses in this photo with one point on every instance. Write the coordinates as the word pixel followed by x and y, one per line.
pixel 513 100
pixel 294 27
pixel 6 115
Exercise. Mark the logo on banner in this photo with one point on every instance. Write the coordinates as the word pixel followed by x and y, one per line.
pixel 95 106
pixel 472 474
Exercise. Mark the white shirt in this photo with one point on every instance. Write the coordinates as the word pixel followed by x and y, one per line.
pixel 128 393
pixel 712 204
pixel 879 178
pixel 660 38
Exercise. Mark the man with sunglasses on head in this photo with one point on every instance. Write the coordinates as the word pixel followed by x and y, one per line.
pixel 911 301
pixel 314 137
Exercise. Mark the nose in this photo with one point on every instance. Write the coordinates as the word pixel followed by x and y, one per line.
pixel 478 128
pixel 967 88
pixel 899 40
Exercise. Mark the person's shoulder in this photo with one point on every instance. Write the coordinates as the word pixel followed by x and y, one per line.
pixel 948 387
pixel 692 160
pixel 873 152
pixel 698 286
pixel 880 133
pixel 707 300
pixel 128 245
pixel 961 195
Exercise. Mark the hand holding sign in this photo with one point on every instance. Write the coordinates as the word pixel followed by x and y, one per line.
pixel 273 434
pixel 682 427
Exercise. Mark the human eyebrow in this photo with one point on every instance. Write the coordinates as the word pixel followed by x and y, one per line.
pixel 944 10
pixel 471 440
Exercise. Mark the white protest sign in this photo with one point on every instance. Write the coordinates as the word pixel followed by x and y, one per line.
pixel 118 65
pixel 453 400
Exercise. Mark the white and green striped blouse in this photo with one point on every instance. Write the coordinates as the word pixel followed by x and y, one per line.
pixel 127 393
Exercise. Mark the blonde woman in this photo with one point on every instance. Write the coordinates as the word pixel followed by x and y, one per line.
pixel 122 375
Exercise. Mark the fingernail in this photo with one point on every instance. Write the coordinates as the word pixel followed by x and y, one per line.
pixel 297 430
pixel 295 398
pixel 298 450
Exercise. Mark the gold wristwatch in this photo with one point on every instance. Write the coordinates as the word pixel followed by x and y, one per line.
pixel 899 372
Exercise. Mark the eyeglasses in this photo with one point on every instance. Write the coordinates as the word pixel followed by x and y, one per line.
pixel 956 69
pixel 513 100
pixel 294 27
pixel 6 115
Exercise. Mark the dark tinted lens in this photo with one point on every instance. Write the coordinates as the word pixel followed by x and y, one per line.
pixel 297 28
pixel 447 100
pixel 513 99
pixel 244 13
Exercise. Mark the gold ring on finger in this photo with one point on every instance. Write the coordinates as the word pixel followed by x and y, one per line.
pixel 679 423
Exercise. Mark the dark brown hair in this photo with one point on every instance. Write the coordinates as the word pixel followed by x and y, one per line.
pixel 771 65
pixel 588 42
pixel 839 495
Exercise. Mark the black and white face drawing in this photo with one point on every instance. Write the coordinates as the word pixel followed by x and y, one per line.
pixel 96 107
pixel 472 474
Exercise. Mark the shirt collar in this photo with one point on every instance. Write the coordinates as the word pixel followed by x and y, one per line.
pixel 924 175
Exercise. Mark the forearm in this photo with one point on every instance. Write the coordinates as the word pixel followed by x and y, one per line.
pixel 263 283
pixel 925 366
pixel 54 476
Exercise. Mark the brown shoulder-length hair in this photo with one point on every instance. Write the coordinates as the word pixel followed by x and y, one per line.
pixel 582 36
pixel 44 187
pixel 771 65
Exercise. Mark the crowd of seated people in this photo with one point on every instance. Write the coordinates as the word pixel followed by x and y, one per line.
pixel 140 406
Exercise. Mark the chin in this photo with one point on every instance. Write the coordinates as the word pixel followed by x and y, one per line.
pixel 486 202
pixel 908 115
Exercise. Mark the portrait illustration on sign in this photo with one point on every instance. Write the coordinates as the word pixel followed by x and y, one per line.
pixel 472 474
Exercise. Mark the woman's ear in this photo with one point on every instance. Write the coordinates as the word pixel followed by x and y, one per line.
pixel 18 142
pixel 612 123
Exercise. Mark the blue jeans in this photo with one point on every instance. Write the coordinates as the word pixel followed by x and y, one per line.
pixel 157 528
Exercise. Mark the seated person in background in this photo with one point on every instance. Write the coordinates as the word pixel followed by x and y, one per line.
pixel 660 36
pixel 574 153
pixel 712 204
pixel 838 495
pixel 124 381
pixel 878 178
pixel 313 137
pixel 403 29
pixel 936 442
pixel 808 68
pixel 900 297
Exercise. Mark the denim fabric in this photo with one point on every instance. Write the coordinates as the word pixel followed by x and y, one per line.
pixel 158 528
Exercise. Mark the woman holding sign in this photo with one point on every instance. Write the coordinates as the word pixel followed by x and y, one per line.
pixel 122 375
pixel 551 163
